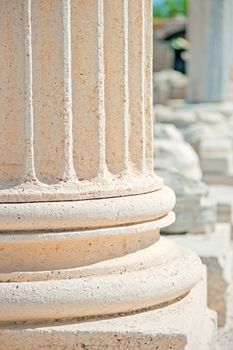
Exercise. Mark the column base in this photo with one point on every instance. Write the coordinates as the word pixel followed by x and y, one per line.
pixel 185 323
pixel 159 273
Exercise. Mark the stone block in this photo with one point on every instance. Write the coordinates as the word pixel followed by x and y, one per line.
pixel 177 156
pixel 178 92
pixel 163 55
pixel 225 340
pixel 225 335
pixel 210 117
pixel 215 251
pixel 181 119
pixel 216 155
pixel 225 108
pixel 223 195
pixel 193 217
pixel 167 132
pixel 171 83
pixel 161 93
pixel 218 179
pixel 196 132
pixel 195 211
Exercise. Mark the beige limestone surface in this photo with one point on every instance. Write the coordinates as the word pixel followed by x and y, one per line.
pixel 65 102
pixel 185 324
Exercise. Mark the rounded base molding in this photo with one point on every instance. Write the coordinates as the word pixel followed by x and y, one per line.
pixel 86 214
pixel 37 255
pixel 148 277
pixel 185 323
pixel 44 237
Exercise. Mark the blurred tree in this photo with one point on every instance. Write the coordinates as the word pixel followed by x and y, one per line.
pixel 169 8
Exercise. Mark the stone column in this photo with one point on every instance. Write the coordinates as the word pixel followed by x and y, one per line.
pixel 210 49
pixel 80 206
pixel 230 35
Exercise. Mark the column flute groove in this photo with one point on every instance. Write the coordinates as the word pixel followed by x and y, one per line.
pixel 69 172
pixel 148 103
pixel 126 82
pixel 143 89
pixel 101 95
pixel 29 122
pixel 136 85
pixel 116 87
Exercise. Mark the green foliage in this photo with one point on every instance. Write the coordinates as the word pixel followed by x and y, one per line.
pixel 169 8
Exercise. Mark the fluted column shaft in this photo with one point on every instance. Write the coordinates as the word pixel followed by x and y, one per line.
pixel 75 99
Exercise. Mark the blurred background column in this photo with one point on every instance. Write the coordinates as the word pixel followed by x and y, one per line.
pixel 210 48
